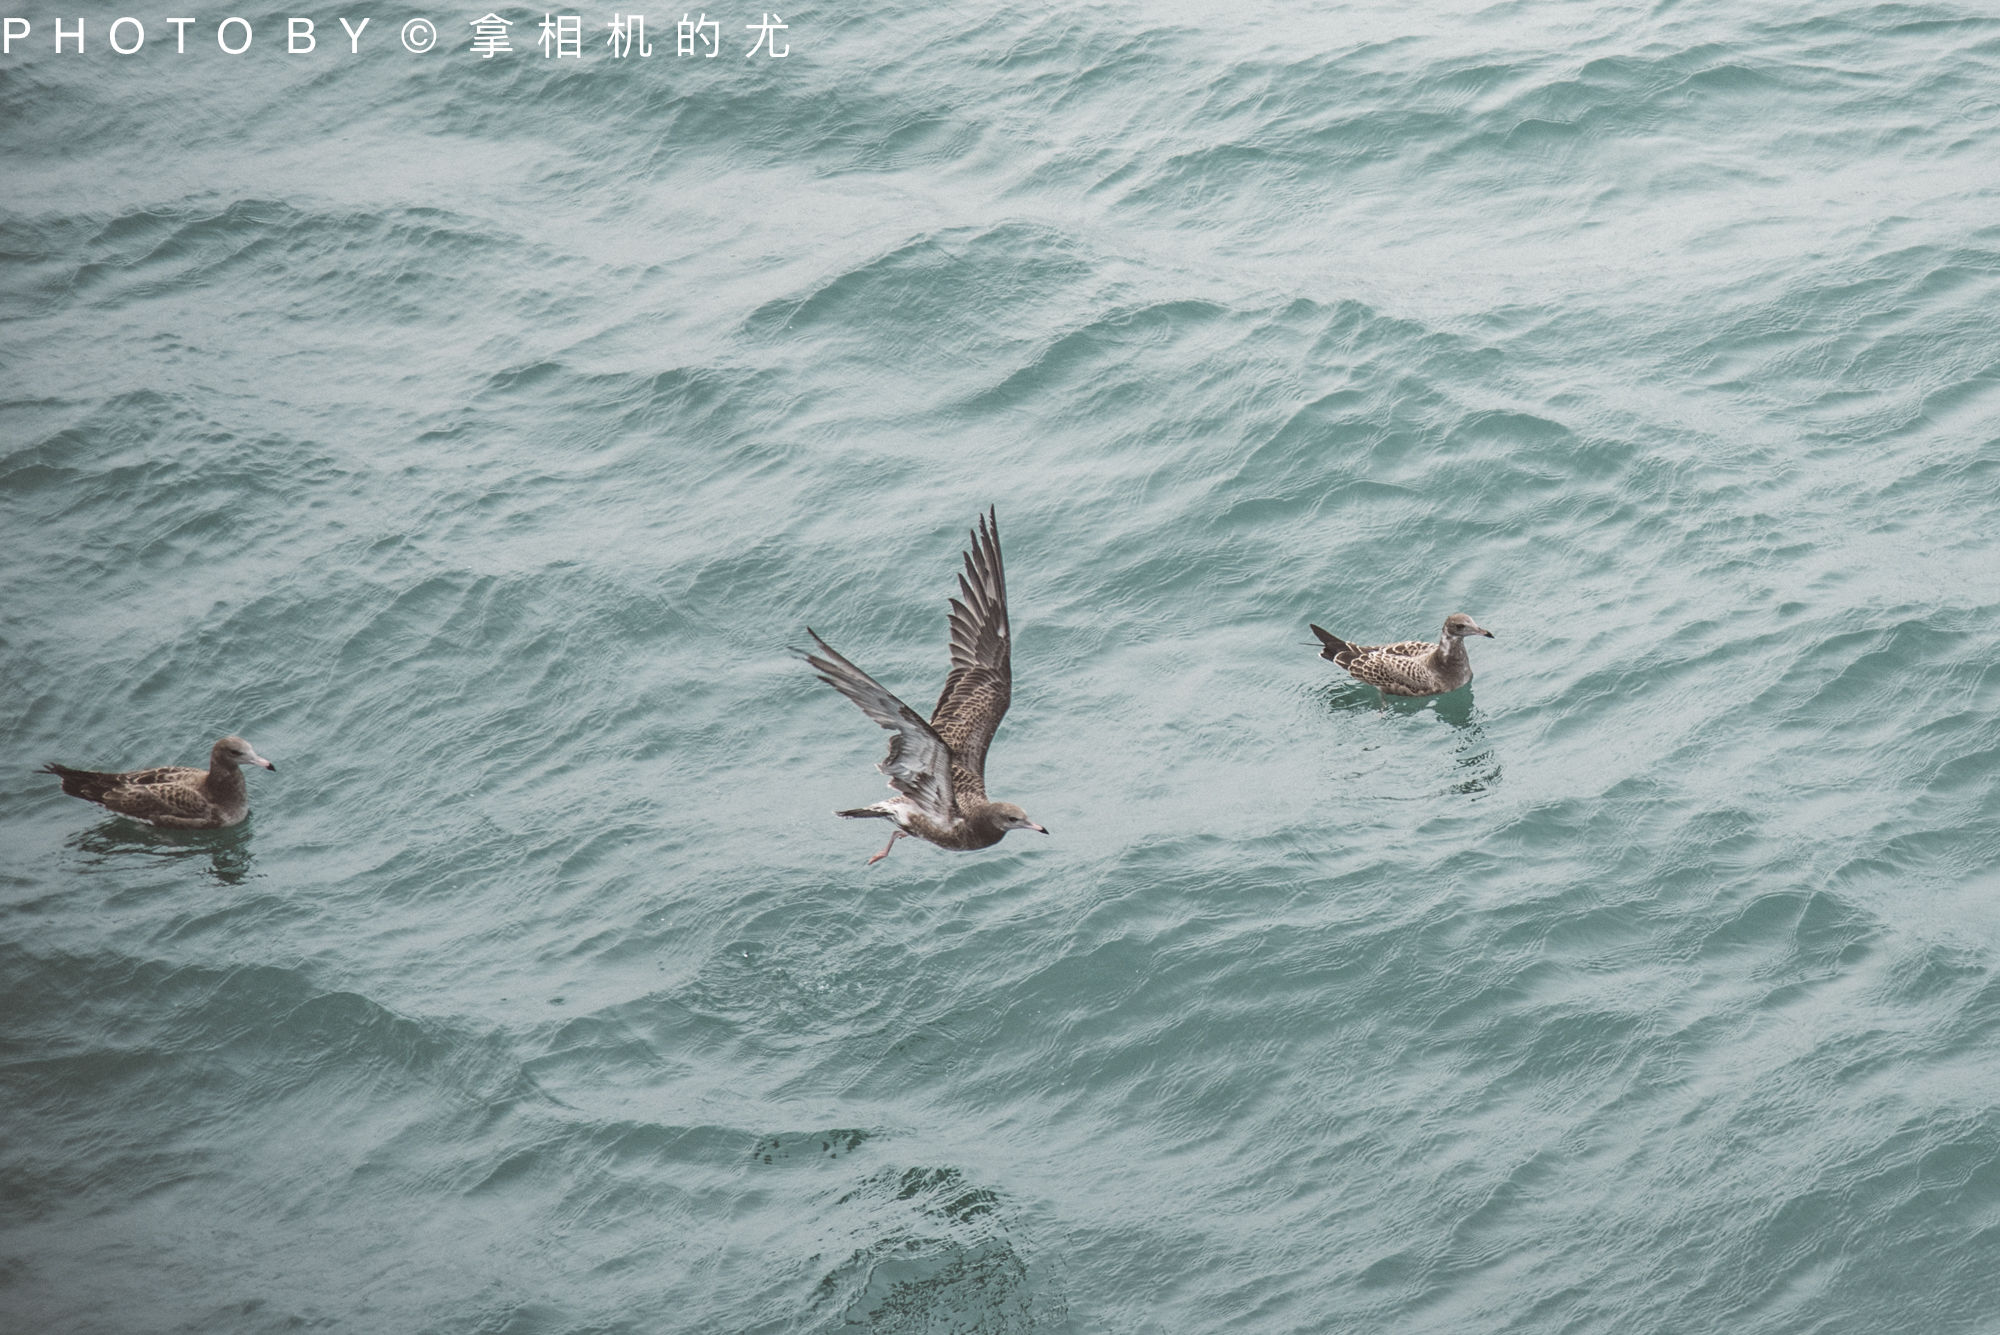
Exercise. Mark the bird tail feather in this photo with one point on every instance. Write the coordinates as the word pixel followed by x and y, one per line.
pixel 1333 648
pixel 88 784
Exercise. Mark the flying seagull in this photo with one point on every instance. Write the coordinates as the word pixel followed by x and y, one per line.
pixel 175 796
pixel 1414 667
pixel 938 769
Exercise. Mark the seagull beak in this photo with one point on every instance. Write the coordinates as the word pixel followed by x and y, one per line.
pixel 1487 633
pixel 1039 829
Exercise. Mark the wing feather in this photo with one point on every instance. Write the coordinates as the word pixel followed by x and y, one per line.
pixel 919 763
pixel 164 774
pixel 172 803
pixel 1402 649
pixel 981 684
pixel 1397 672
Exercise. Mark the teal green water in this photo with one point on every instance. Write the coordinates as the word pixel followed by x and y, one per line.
pixel 476 436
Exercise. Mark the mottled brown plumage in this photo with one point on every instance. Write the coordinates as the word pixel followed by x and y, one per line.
pixel 1413 667
pixel 938 769
pixel 175 796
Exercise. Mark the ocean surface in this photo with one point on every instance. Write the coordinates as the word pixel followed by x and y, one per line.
pixel 476 435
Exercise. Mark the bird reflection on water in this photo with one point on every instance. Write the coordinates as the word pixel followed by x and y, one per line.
pixel 227 850
pixel 1476 768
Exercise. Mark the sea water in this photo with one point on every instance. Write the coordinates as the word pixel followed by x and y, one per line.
pixel 478 433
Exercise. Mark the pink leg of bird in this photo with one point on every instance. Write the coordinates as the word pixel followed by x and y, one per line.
pixel 885 848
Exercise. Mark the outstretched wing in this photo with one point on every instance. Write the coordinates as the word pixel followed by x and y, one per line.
pixel 919 762
pixel 976 694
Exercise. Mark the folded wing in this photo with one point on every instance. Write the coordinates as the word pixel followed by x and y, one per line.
pixel 165 803
pixel 1397 672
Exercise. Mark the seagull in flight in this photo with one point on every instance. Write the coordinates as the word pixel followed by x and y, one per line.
pixel 937 770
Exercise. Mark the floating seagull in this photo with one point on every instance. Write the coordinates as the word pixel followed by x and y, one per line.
pixel 1414 667
pixel 175 796
pixel 938 769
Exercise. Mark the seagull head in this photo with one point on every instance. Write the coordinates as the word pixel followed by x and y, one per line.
pixel 1012 817
pixel 239 752
pixel 1460 625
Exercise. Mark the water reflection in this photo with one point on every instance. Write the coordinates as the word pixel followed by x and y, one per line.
pixel 227 851
pixel 1475 766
